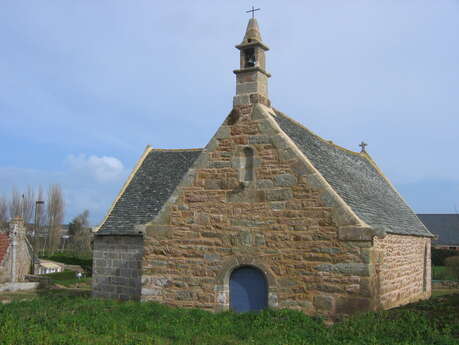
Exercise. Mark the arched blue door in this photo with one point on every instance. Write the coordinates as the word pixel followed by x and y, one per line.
pixel 248 290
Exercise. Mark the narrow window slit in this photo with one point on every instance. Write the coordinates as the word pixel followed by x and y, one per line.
pixel 247 166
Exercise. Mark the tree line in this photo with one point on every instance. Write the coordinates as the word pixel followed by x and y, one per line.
pixel 43 214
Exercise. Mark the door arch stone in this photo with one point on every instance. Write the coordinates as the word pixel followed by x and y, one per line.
pixel 222 280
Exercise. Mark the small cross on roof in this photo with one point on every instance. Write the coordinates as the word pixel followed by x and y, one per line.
pixel 253 11
pixel 363 145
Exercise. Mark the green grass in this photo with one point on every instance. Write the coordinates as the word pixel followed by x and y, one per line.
pixel 442 273
pixel 443 292
pixel 63 319
pixel 20 296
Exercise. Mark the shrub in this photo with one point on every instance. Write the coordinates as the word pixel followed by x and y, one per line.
pixel 439 256
pixel 439 273
pixel 452 265
pixel 70 259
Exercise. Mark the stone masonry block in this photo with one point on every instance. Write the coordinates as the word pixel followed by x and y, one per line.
pixel 279 195
pixel 259 139
pixel 351 305
pixel 326 303
pixel 285 180
pixel 355 233
pixel 265 184
pixel 357 269
pixel 223 133
pixel 219 164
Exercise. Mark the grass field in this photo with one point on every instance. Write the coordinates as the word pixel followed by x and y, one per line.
pixel 442 273
pixel 62 318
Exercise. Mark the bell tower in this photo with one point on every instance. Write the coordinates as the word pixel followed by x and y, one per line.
pixel 251 77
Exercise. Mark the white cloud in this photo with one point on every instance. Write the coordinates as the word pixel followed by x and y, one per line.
pixel 103 169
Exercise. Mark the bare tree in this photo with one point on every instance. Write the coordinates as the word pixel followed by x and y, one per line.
pixel 80 234
pixel 28 205
pixel 3 213
pixel 15 204
pixel 55 215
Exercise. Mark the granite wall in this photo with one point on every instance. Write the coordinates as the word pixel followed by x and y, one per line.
pixel 117 267
pixel 403 269
pixel 220 218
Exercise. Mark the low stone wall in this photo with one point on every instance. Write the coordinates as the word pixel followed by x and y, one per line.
pixel 445 284
pixel 117 267
pixel 12 287
pixel 43 281
pixel 403 269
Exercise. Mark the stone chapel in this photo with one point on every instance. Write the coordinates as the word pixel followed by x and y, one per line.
pixel 268 214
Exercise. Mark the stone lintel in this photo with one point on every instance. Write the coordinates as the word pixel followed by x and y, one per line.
pixel 359 233
pixel 252 44
pixel 252 69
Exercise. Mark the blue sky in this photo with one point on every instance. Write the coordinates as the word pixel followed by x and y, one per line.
pixel 85 85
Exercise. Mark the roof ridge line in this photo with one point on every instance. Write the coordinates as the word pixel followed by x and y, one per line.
pixel 417 227
pixel 364 155
pixel 443 214
pixel 137 166
pixel 315 172
pixel 329 142
pixel 192 149
pixel 379 171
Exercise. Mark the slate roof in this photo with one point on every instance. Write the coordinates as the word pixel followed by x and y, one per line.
pixel 446 226
pixel 151 185
pixel 357 181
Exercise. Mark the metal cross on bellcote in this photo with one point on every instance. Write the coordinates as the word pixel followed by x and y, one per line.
pixel 253 11
pixel 363 145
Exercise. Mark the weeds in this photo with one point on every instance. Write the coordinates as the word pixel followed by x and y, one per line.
pixel 79 320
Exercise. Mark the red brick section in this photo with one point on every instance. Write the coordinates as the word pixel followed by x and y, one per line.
pixel 4 243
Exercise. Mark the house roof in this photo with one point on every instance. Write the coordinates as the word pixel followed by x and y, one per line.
pixel 151 183
pixel 50 264
pixel 357 180
pixel 446 226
